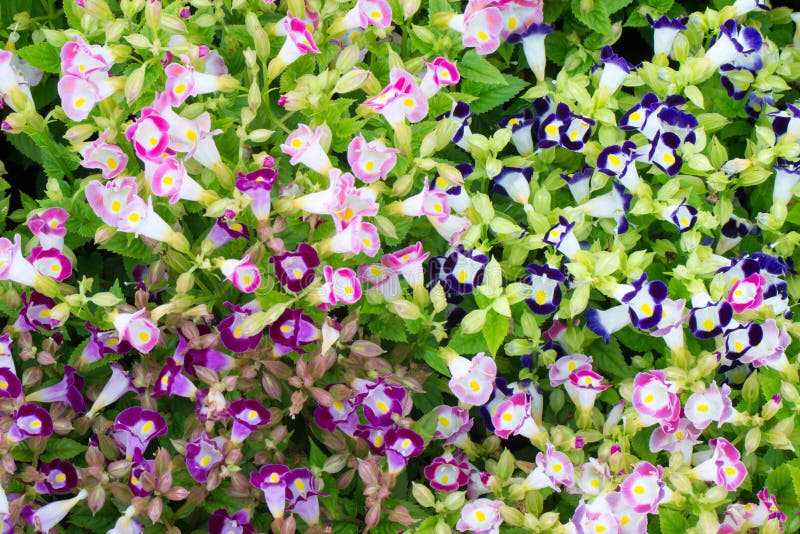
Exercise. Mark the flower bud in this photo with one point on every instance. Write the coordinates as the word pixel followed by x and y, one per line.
pixel 421 494
pixel 473 322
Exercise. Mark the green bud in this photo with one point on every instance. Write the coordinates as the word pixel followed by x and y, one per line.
pixel 455 500
pixel 512 516
pixel 105 299
pixel 473 322
pixel 423 495
pixel 752 440
pixel 750 388
pixel 483 207
pixel 406 310
pixel 256 31
pixel 134 83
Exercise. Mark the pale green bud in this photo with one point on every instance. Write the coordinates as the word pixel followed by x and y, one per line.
pixel 423 495
pixel 134 83
pixel 752 440
pixel 105 299
pixel 405 309
pixel 483 207
pixel 455 500
pixel 473 322
pixel 172 24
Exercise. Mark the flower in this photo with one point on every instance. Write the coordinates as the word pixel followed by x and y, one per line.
pixel 292 330
pixel 302 495
pixel 515 183
pixel 221 522
pixel 401 100
pixel 305 146
pixel 168 178
pixel 615 69
pixel 117 385
pixel 681 215
pixel 553 469
pixel 184 81
pixel 787 175
pixel 295 270
pixel 248 415
pixel 440 72
pixel 402 444
pixel 481 516
pixel 10 384
pixel 512 417
pixel 149 135
pixel 299 42
pixel 231 329
pixel 460 114
pixel 50 515
pixel 643 489
pixel 644 302
pixel 618 161
pixel 59 475
pixel 724 47
pixel 430 202
pixel 452 425
pixel 372 160
pixel 14 266
pixel 136 427
pixel 257 185
pixel 522 130
pixel 480 27
pixel 171 381
pixel 545 288
pixel 36 313
pixel 51 262
pixel 710 320
pixel 203 455
pixel 341 286
pixel 463 270
pixel 665 30
pixel 681 441
pixel 68 391
pixel 367 13
pixel 471 380
pixel 611 205
pixel 30 420
pixel 747 293
pixel 50 227
pixel 562 238
pixel 244 275
pixel 722 466
pixel 110 159
pixel 532 39
pixel 137 330
pixel 16 78
pixel 271 479
pixel 655 400
pixel 445 473
pixel 565 128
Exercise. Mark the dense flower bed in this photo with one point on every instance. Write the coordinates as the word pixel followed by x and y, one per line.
pixel 391 265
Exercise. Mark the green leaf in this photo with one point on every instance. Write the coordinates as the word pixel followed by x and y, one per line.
pixel 476 68
pixel 495 330
pixel 42 56
pixel 672 521
pixel 315 456
pixel 491 96
pixel 615 5
pixel 63 448
pixel 425 426
pixel 467 343
pixel 130 246
pixel 596 19
pixel 780 482
pixel 432 358
pixel 609 359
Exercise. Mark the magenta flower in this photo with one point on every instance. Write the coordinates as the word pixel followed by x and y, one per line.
pixel 446 473
pixel 305 146
pixel 102 343
pixel 59 477
pixel 35 315
pixel 257 185
pixel 48 516
pixel 431 202
pixel 354 236
pixel 480 27
pixel 597 516
pixel 183 81
pixel 51 262
pixel 81 59
pixel 221 522
pixel 138 469
pixel 292 330
pixel 248 415
pixel 366 13
pixel 472 381
pixel 371 160
pixel 770 350
pixel 149 135
pixel 341 286
pixel 108 158
pixel 224 231
pixel 244 275
pixel 137 330
pixel 86 80
pixel 408 263
pixel 682 440
pixel 594 476
pixel 10 384
pixel 299 42
pixel 13 265
pixel 6 361
pixel 566 365
pixel 380 401
pixel 68 391
pixel 231 329
pixel 512 417
pixel 271 479
pixel 643 489
pixel 302 495
pixel 441 72
pixel 135 427
pixel 553 469
pixel 584 386
pixel 168 178
pixel 171 382
pixel 342 415
pixel 203 455
pixel 50 227
pixel 401 100
pixel 747 293
pixel 656 401
pixel 722 466
pixel 402 444
pixel 295 270
pixel 111 200
pixel 30 420
pixel 481 516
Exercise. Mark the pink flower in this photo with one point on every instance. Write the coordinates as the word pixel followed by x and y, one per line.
pixel 446 473
pixel 401 100
pixel 355 237
pixel 137 330
pixel 168 178
pixel 566 365
pixel 298 43
pixel 481 516
pixel 430 202
pixel 480 27
pixel 771 349
pixel 644 489
pixel 748 293
pixel 81 59
pixel 372 160
pixel 79 95
pixel 109 200
pixel 518 15
pixel 584 386
pixel 441 72
pixel 16 78
pixel 305 146
pixel 149 136
pixel 656 401
pixel 244 275
pixel 109 159
pixel 512 417
pixel 682 440
pixel 13 265
pixel 714 404
pixel 723 467
pixel 369 13
pixel 382 279
pixel 341 286
pixel 183 81
pixel 51 262
pixel 49 227
pixel 553 469
pixel 407 262
pixel 472 381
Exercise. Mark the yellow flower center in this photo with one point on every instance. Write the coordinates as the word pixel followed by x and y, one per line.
pixel 483 36
pixel 191 135
pixel 638 490
pixel 111 163
pixel 79 103
pixel 540 298
pixel 180 88
pixel 708 324
pixel 368 166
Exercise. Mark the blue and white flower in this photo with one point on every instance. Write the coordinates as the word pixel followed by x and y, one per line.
pixel 545 286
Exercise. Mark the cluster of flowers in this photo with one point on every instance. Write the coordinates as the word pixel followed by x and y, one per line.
pixel 273 285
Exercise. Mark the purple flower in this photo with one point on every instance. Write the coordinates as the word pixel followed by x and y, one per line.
pixel 35 313
pixel 139 467
pixel 521 126
pixel 514 183
pixel 221 522
pixel 51 262
pixel 258 186
pixel 119 384
pixel 615 69
pixel 225 230
pixel 481 516
pixel 461 115
pixel 50 227
pixel 565 128
pixel 302 495
pixel 711 320
pixel 271 479
pixel 644 489
pixel 545 286
pixel 380 401
pixel 203 455
pixel 292 330
pixel 102 343
pixel 295 270
pixel 665 30
pixel 681 215
pixel 402 444
pixel 463 270
pixel 446 473
pixel 611 205
pixel 644 302
pixel 340 414
pixel 30 420
pixel 171 381
pixel 532 39
pixel 67 391
pixel 724 47
pixel 231 329
pixel 248 415
pixel 10 385
pixel 135 427
pixel 59 477
pixel 619 161
pixel 662 152
pixel 562 238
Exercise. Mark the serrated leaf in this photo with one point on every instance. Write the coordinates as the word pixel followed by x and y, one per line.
pixel 491 96
pixel 467 343
pixel 42 56
pixel 609 360
pixel 615 5
pixel 495 330
pixel 425 426
pixel 63 448
pixel 476 68
pixel 433 359
pixel 130 246
pixel 596 19
pixel 671 521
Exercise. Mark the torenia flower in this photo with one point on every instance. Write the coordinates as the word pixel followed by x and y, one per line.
pixel 257 185
pixel 292 330
pixel 126 524
pixel 463 270
pixel 615 69
pixel 10 384
pixel 382 279
pixel 480 27
pixel 366 13
pixel 681 215
pixel 68 391
pixel 299 42
pixel 562 238
pixel 59 477
pixel 565 128
pixel 118 384
pixel 787 176
pixel 231 328
pixel 35 315
pixel 662 152
pixel 481 516
pixel 370 161
pixel 655 400
pixel 521 126
pixel 545 288
pixel 619 161
pixel 221 522
pixel 135 427
pixel 341 286
pixel 170 381
pixel 30 420
pixel 14 266
pixel 746 6
pixel 50 227
pixel 446 473
pixel 596 516
pixel 149 135
pixel 665 30
pixel 401 100
pixel 452 425
pixel 747 293
pixel 681 441
pixel 611 205
pixel 515 183
pixel 48 516
pixel 168 178
pixel 553 469
pixel 594 477
pixel 643 489
pixel 710 320
pixel 203 455
pixel 441 72
pixel 110 159
pixel 771 349
pixel 512 417
pixel 271 479
pixel 583 388
pixel 302 495
pixel 532 39
pixel 786 122
pixel 51 262
pixel 248 415
pixel 305 146
pixel 430 202
pixel 16 78
pixel 644 302
pixel 714 404
pixel 295 270
pixel 728 43
pixel 471 381
pixel 460 114
pixel 402 444
pixel 407 262
pixel 183 81
pixel 137 330
pixel 722 466
pixel 244 275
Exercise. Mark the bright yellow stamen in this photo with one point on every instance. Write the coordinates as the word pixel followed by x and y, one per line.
pixel 512 23
pixel 708 324
pixel 167 180
pixel 378 441
pixel 668 158
pixel 702 408
pixel 134 217
pixel 191 135
pixel 557 468
pixel 648 399
pixel 409 102
pixel 148 427
pixel 61 477
pixel 482 36
pixel 36 424
pixel 79 103
pixel 286 328
pixel 144 336
pixel 111 163
pixel 507 417
pixel 205 461
pixel 646 308
pixel 299 484
pixel 635 116
pixel 382 406
pixel 614 160
pixel 540 297
pixel 368 166
pixel 474 385
pixel 551 129
pixel 638 490
pixel 443 421
pixel 180 88
pixel 462 276
pixel 480 516
pixel 274 477
pixel 297 143
pixel 406 443
pixel 116 206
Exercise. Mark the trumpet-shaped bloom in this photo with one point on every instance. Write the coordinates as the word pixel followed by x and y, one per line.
pixel 407 262
pixel 472 381
pixel 184 81
pixel 619 161
pixel 430 202
pixel 460 114
pixel 258 185
pixel 446 473
pixel 532 39
pixel 656 401
pixel 787 176
pixel 137 330
pixel 553 470
pixel 611 205
pixel 50 227
pixel 136 427
pixel 515 183
pixel 711 320
pixel 168 178
pixel 402 444
pixel 370 161
pixel 13 265
pixel 299 41
pixel 643 489
pixel 10 384
pixel 68 391
pixel 203 455
pixel 221 522
pixel 305 146
pixel 463 270
pixel 244 275
pixel 545 286
pixel 644 302
pixel 367 13
pixel 480 27
pixel 729 43
pixel 615 69
pixel 48 516
pixel 682 440
pixel 681 215
pixel 401 100
pixel 293 330
pixel 341 286
pixel 295 270
pixel 481 516
pixel 30 420
pixel 665 30
pixel 747 293
pixel 59 475
pixel 512 417
pixel 271 479
pixel 441 72
pixel 171 381
pixel 786 122
pixel 35 315
pixel 149 135
pixel 231 328
pixel 713 404
pixel 108 158
pixel 51 262
pixel 723 465
pixel 118 384
pixel 248 415
pixel 16 76
pixel 562 238
pixel 522 130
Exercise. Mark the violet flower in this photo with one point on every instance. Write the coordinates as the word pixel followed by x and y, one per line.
pixel 271 479
pixel 292 330
pixel 60 476
pixel 231 329
pixel 221 522
pixel 135 427
pixel 67 391
pixel 248 415
pixel 30 420
pixel 203 455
